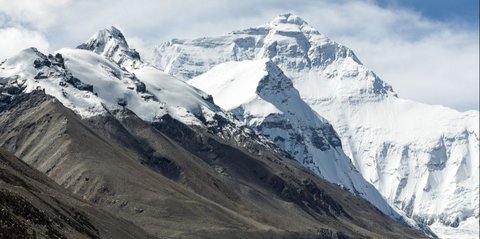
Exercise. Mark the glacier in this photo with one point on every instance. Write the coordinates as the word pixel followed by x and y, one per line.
pixel 424 159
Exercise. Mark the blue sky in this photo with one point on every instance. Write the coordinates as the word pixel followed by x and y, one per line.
pixel 426 49
pixel 466 11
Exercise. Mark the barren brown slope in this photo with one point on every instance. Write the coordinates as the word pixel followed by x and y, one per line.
pixel 180 182
pixel 33 206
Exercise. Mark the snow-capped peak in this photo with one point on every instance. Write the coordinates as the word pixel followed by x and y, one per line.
pixel 103 38
pixel 287 18
pixel 290 43
pixel 288 23
pixel 110 43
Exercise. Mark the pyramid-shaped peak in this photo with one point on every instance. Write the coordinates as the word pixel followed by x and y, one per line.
pixel 288 18
pixel 113 32
pixel 108 34
pixel 110 42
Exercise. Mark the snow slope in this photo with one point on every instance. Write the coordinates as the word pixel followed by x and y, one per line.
pixel 264 98
pixel 94 80
pixel 424 159
pixel 106 86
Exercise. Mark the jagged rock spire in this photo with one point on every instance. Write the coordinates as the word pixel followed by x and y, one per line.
pixel 110 42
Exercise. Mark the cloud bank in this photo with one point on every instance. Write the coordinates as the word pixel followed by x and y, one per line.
pixel 425 60
pixel 14 39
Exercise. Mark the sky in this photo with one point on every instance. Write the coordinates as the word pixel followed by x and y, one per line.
pixel 428 50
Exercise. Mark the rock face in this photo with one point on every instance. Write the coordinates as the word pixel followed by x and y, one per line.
pixel 422 158
pixel 166 158
pixel 33 206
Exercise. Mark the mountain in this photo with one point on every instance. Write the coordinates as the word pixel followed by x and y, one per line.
pixel 155 151
pixel 103 86
pixel 111 43
pixel 422 158
pixel 263 98
pixel 33 206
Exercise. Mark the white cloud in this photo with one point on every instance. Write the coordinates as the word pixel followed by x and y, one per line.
pixel 425 60
pixel 37 14
pixel 25 23
pixel 13 40
pixel 442 68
